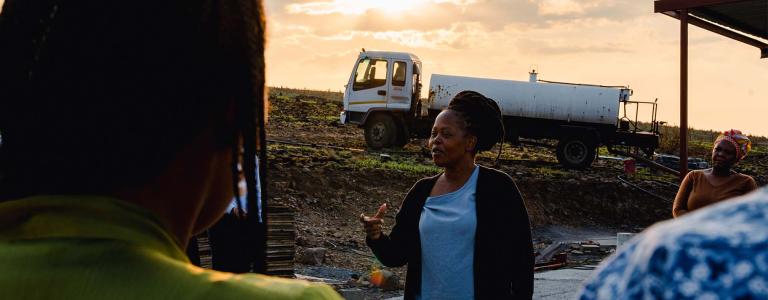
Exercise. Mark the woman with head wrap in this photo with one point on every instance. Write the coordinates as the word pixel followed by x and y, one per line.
pixel 704 187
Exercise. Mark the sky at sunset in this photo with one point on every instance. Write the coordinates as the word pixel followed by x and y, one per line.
pixel 314 44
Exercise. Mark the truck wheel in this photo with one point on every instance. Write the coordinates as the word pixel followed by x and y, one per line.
pixel 575 153
pixel 380 131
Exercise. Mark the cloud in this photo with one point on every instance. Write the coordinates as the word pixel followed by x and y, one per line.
pixel 327 8
pixel 331 17
pixel 457 2
pixel 458 36
pixel 546 47
pixel 560 7
pixel 543 27
pixel 359 7
pixel 577 7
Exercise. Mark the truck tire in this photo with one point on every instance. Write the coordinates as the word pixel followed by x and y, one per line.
pixel 380 131
pixel 575 153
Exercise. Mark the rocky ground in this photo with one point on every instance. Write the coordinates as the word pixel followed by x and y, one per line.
pixel 321 169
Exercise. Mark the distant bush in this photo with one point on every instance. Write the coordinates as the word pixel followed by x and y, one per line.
pixel 699 141
pixel 337 96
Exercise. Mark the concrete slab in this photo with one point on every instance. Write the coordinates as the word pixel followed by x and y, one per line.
pixel 604 236
pixel 559 284
pixel 318 279
pixel 604 240
pixel 352 294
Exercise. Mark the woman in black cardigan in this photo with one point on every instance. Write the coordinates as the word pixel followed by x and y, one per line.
pixel 468 211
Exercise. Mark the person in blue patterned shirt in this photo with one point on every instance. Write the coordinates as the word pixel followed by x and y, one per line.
pixel 719 252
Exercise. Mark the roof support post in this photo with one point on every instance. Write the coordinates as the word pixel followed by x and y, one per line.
pixel 683 93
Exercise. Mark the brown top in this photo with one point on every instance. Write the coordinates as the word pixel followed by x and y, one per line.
pixel 696 191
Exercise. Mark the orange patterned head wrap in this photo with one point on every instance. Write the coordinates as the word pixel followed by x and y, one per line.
pixel 740 141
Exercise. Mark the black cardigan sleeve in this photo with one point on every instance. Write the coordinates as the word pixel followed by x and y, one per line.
pixel 392 250
pixel 504 251
pixel 522 246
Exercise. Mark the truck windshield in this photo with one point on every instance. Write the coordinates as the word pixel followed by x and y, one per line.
pixel 370 73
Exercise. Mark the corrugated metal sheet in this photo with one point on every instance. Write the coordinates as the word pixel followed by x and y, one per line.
pixel 750 17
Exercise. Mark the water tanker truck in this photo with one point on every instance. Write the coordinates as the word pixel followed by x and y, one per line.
pixel 383 96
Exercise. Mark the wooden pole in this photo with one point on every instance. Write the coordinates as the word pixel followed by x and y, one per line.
pixel 683 93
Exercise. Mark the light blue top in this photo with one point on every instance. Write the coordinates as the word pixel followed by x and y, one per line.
pixel 447 227
pixel 718 252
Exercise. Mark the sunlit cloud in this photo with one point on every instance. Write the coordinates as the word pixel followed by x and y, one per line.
pixel 458 36
pixel 560 7
pixel 324 8
pixel 457 2
pixel 357 7
pixel 283 29
pixel 569 7
pixel 546 47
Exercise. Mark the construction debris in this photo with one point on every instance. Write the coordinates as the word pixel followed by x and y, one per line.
pixel 546 255
pixel 556 254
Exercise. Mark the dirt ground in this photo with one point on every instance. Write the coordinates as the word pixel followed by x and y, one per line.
pixel 329 187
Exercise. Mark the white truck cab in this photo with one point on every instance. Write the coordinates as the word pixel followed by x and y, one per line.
pixel 381 80
pixel 385 82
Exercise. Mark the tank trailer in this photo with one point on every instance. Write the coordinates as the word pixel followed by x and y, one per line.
pixel 383 96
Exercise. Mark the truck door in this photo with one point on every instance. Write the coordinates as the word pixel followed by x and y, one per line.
pixel 400 87
pixel 369 88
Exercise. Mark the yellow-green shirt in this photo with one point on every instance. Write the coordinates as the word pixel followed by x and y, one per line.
pixel 72 247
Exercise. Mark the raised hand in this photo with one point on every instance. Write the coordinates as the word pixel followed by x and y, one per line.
pixel 372 225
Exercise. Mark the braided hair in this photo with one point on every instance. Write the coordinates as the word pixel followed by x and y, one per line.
pixel 97 96
pixel 482 118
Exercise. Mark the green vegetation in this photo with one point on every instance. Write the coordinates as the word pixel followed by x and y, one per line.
pixel 281 97
pixel 405 166
pixel 761 149
pixel 603 151
pixel 552 172
pixel 699 141
pixel 324 119
pixel 317 156
pixel 335 96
